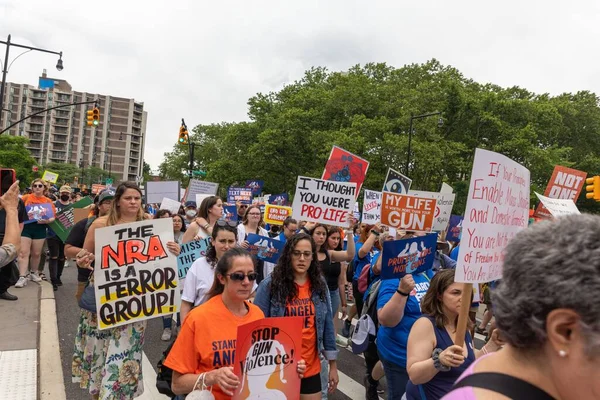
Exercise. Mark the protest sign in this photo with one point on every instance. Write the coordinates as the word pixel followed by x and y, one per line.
pixel 157 190
pixel 66 218
pixel 343 166
pixel 256 186
pixel 407 212
pixel 264 247
pixel 190 252
pixel 80 213
pixel 230 213
pixel 454 228
pixel 327 202
pixel 408 256
pixel 281 199
pixel 170 205
pixel 267 352
pixel 135 277
pixel 565 183
pixel 50 176
pixel 446 188
pixel 443 207
pixel 558 207
pixel 200 198
pixel 241 194
pixel 395 182
pixel 497 208
pixel 97 188
pixel 39 212
pixel 275 215
pixel 371 213
pixel 200 187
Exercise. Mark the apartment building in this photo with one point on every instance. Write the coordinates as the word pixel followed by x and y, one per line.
pixel 62 135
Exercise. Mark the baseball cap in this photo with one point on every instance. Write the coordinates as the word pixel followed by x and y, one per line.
pixel 106 195
pixel 360 336
pixel 190 204
pixel 66 189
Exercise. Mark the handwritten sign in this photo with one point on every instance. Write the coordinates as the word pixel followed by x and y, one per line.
pixel 50 176
pixel 443 207
pixel 170 205
pixel 241 194
pixel 275 215
pixel 343 166
pixel 327 202
pixel 371 212
pixel 267 353
pixel 497 208
pixel 565 183
pixel 135 276
pixel 190 252
pixel 410 213
pixel 264 247
pixel 395 182
pixel 408 256
pixel 200 187
pixel 558 207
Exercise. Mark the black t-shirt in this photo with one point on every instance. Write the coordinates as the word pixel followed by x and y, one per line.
pixel 77 238
pixel 22 218
pixel 331 271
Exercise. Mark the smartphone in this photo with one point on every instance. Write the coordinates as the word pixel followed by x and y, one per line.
pixel 7 178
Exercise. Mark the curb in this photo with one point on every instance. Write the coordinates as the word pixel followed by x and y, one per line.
pixel 51 382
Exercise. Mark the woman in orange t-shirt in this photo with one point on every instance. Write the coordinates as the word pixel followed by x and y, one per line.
pixel 204 350
pixel 297 288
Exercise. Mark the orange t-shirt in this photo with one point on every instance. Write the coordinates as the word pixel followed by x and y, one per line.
pixel 207 339
pixel 302 306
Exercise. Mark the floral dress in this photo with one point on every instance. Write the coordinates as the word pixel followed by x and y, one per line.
pixel 108 363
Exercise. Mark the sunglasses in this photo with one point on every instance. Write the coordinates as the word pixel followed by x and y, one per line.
pixel 38 186
pixel 239 276
pixel 222 222
pixel 243 206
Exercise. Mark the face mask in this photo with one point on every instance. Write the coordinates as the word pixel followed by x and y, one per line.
pixel 65 197
pixel 190 213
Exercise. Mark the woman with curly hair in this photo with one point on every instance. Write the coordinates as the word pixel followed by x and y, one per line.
pixel 297 288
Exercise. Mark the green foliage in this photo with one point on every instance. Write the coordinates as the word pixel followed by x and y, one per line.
pixel 13 154
pixel 367 110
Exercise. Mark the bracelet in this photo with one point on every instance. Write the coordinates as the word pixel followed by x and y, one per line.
pixel 375 233
pixel 484 350
pixel 205 227
pixel 401 293
pixel 436 360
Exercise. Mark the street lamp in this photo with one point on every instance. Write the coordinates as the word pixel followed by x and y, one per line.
pixel 410 132
pixel 8 43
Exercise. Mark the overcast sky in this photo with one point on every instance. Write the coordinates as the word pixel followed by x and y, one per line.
pixel 202 60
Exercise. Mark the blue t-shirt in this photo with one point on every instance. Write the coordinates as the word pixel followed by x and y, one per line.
pixel 282 237
pixel 454 253
pixel 359 263
pixel 391 342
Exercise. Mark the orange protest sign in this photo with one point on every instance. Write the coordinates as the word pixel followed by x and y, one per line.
pixel 275 215
pixel 97 188
pixel 410 213
pixel 266 354
pixel 565 183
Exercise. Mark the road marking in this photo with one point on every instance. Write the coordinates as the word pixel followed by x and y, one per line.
pixel 150 391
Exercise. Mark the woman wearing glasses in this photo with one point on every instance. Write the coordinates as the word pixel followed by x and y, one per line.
pixel 210 211
pixel 297 288
pixel 252 223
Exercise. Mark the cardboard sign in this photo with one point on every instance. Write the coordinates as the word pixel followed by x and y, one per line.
pixel 410 213
pixel 69 216
pixel 241 194
pixel 454 228
pixel 497 208
pixel 135 277
pixel 267 352
pixel 256 186
pixel 408 256
pixel 264 248
pixel 343 166
pixel 275 215
pixel 395 182
pixel 558 207
pixel 97 188
pixel 50 176
pixel 230 213
pixel 371 212
pixel 190 252
pixel 327 202
pixel 281 199
pixel 200 187
pixel 565 183
pixel 39 212
pixel 443 207
pixel 171 205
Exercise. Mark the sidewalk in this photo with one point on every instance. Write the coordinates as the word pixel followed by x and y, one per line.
pixel 29 354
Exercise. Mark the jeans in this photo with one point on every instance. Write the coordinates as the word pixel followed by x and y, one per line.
pixel 56 263
pixel 168 320
pixel 335 302
pixel 324 376
pixel 396 377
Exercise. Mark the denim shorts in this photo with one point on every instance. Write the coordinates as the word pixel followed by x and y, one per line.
pixel 335 301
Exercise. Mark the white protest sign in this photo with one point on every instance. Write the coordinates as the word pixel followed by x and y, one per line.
pixel 171 205
pixel 135 277
pixel 327 202
pixel 201 187
pixel 371 213
pixel 156 191
pixel 443 210
pixel 446 188
pixel 497 208
pixel 200 197
pixel 558 207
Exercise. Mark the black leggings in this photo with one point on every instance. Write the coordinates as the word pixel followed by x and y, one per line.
pixel 56 263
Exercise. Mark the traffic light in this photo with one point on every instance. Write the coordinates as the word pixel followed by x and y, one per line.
pixel 593 188
pixel 183 135
pixel 96 116
pixel 90 117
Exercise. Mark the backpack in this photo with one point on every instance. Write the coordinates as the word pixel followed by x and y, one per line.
pixel 164 375
pixel 364 279
pixel 366 328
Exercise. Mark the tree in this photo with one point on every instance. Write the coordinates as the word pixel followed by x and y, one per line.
pixel 13 154
pixel 146 171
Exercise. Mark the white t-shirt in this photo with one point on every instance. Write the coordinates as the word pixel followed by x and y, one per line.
pixel 198 281
pixel 241 236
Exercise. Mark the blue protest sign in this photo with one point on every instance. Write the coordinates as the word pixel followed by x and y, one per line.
pixel 454 228
pixel 190 252
pixel 241 194
pixel 281 199
pixel 265 248
pixel 39 212
pixel 230 213
pixel 408 256
pixel 256 186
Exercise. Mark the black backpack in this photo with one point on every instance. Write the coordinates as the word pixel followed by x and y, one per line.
pixel 164 376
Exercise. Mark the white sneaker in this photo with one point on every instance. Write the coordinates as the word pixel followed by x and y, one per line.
pixel 166 335
pixel 22 282
pixel 34 277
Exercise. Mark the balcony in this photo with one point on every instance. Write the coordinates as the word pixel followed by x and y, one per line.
pixel 61 122
pixel 59 139
pixel 60 131
pixel 35 129
pixel 34 145
pixel 36 120
pixel 35 136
